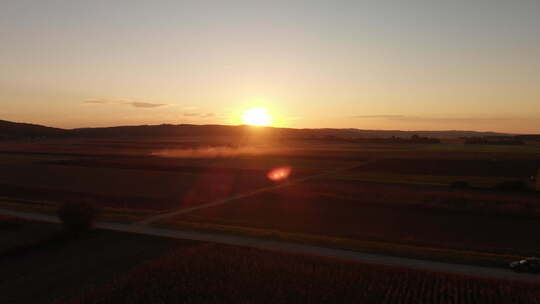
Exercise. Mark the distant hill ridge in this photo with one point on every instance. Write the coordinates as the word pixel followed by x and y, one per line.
pixel 10 130
pixel 13 130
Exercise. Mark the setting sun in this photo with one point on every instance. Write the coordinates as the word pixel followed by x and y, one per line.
pixel 256 117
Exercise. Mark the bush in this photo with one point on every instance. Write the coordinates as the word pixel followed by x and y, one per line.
pixel 77 217
pixel 516 185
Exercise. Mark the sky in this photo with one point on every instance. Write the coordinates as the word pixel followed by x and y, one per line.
pixel 409 65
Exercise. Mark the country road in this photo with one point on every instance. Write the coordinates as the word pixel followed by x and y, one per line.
pixel 477 271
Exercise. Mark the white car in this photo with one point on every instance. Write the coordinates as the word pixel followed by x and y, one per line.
pixel 530 265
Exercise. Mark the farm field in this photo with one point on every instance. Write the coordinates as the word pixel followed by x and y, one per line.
pixel 113 267
pixel 486 172
pixel 18 233
pixel 126 188
pixel 39 263
pixel 431 217
pixel 518 168
pixel 397 194
pixel 144 181
pixel 210 273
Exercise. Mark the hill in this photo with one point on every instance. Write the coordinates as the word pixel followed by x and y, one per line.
pixel 167 130
pixel 12 130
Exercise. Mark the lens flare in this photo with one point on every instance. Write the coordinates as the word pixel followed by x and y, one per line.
pixel 279 174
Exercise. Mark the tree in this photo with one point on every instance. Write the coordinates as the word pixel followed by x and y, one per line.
pixel 77 217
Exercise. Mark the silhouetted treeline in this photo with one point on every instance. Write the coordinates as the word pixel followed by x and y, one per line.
pixel 494 140
pixel 528 137
pixel 415 139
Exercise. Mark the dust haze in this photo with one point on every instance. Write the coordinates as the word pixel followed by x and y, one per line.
pixel 220 152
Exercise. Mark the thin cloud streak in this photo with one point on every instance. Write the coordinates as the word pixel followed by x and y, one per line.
pixel 146 104
pixel 195 114
pixel 442 119
pixel 98 101
pixel 136 104
pixel 379 116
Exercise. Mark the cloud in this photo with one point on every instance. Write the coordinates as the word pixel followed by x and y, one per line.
pixel 379 116
pixel 98 101
pixel 436 119
pixel 146 104
pixel 455 119
pixel 136 104
pixel 195 114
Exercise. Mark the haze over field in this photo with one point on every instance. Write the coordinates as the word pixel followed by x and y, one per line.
pixel 213 152
pixel 411 65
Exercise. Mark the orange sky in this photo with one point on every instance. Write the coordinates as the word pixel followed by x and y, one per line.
pixel 345 64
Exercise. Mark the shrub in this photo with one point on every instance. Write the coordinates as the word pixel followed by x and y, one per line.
pixel 77 217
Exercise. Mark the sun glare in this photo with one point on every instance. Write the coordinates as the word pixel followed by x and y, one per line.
pixel 256 117
pixel 279 174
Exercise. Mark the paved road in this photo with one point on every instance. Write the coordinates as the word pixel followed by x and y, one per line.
pixel 298 248
pixel 174 213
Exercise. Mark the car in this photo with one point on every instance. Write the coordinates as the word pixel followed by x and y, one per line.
pixel 529 265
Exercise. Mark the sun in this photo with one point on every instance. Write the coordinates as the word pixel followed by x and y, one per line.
pixel 256 117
